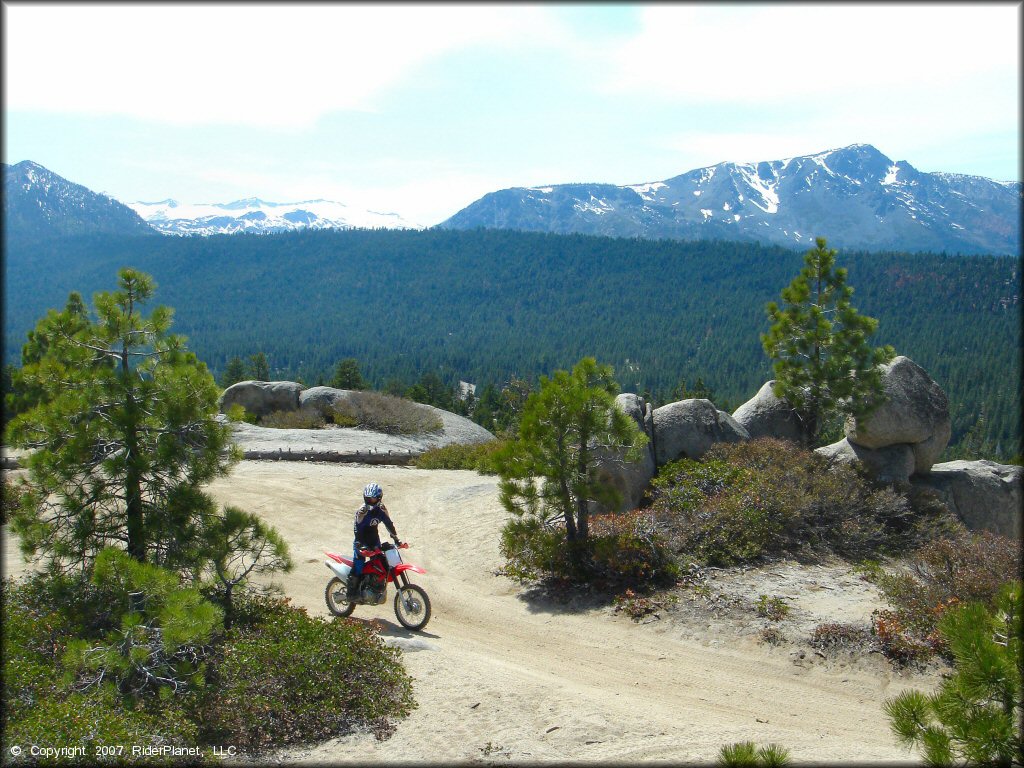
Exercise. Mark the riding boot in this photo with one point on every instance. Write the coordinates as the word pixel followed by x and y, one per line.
pixel 352 586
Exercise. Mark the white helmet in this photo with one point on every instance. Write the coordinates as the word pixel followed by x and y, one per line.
pixel 372 493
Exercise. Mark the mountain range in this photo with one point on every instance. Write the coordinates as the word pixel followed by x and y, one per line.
pixel 254 215
pixel 855 196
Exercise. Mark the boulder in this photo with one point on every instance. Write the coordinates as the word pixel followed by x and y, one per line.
pixel 262 397
pixel 893 464
pixel 688 428
pixel 983 494
pixel 766 415
pixel 916 412
pixel 322 400
pixel 630 478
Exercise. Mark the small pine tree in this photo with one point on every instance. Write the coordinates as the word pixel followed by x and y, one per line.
pixel 233 373
pixel 347 375
pixel 824 365
pixel 259 367
pixel 975 716
pixel 564 428
pixel 122 433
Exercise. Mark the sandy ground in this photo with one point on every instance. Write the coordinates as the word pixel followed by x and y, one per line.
pixel 500 677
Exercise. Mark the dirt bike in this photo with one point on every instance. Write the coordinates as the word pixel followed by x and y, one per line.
pixel 383 566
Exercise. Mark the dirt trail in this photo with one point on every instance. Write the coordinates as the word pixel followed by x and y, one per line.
pixel 498 678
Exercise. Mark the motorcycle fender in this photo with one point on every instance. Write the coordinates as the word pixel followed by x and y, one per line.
pixel 341 570
pixel 408 567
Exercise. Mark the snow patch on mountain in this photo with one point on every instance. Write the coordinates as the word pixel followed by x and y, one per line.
pixel 260 216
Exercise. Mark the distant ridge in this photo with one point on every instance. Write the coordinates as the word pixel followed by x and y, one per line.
pixel 39 203
pixel 170 217
pixel 855 196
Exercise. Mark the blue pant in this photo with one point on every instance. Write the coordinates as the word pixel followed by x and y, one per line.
pixel 357 559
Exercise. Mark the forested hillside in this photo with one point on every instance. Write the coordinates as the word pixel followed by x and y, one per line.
pixel 485 305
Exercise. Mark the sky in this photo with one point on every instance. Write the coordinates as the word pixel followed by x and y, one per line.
pixel 421 109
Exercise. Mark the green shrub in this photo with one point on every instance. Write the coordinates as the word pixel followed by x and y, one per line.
pixel 967 567
pixel 41 617
pixel 769 498
pixel 237 413
pixel 101 719
pixel 478 457
pixel 622 551
pixel 771 608
pixel 282 677
pixel 293 420
pixel 747 753
pixel 384 413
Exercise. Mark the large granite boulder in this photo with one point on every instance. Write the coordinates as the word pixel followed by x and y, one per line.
pixel 916 413
pixel 630 478
pixel 766 415
pixel 323 400
pixel 984 495
pixel 893 464
pixel 262 397
pixel 688 428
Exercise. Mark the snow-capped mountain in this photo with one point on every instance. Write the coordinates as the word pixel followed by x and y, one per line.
pixel 39 203
pixel 855 196
pixel 253 215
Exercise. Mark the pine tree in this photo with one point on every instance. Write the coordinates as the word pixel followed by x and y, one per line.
pixel 975 715
pixel 824 366
pixel 347 375
pixel 259 367
pixel 234 373
pixel 565 428
pixel 122 435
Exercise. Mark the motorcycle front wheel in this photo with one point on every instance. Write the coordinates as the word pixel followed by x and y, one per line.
pixel 335 595
pixel 412 607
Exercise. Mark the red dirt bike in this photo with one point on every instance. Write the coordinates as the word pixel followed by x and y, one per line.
pixel 383 566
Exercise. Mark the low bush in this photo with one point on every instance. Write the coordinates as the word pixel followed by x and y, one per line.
pixel 41 617
pixel 283 677
pixel 747 753
pixel 237 413
pixel 771 608
pixel 622 551
pixel 967 567
pixel 835 636
pixel 478 457
pixel 384 413
pixel 99 719
pixel 11 493
pixel 293 420
pixel 769 498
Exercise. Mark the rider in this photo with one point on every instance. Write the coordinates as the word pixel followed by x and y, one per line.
pixel 368 517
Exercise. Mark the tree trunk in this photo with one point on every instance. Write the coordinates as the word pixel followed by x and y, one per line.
pixel 133 480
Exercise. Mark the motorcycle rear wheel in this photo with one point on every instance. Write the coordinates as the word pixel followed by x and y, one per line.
pixel 412 607
pixel 335 596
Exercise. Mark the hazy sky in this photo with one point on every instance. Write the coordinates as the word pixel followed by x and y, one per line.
pixel 422 109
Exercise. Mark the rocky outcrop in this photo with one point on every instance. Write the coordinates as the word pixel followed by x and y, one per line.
pixel 262 397
pixel 893 464
pixel 915 414
pixel 323 400
pixel 984 495
pixel 630 478
pixel 766 415
pixel 688 428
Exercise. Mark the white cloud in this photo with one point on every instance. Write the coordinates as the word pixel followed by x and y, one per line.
pixel 269 65
pixel 770 53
